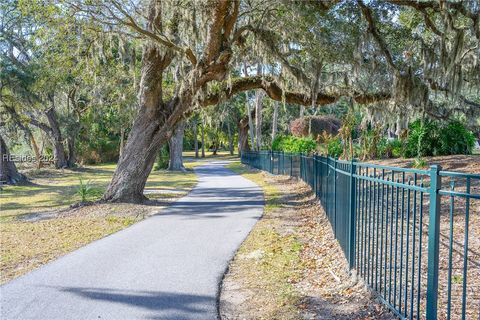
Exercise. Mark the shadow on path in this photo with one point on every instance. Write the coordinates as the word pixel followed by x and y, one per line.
pixel 149 300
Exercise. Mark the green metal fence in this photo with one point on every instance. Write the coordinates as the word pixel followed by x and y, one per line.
pixel 412 235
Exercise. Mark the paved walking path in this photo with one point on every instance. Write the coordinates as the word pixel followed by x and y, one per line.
pixel 168 266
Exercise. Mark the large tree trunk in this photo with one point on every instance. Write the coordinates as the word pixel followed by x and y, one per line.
pixel 148 132
pixel 8 171
pixel 137 160
pixel 274 120
pixel 155 119
pixel 243 137
pixel 230 138
pixel 176 148
pixel 203 138
pixel 195 137
pixel 258 119
pixel 57 141
pixel 250 124
pixel 71 152
pixel 151 129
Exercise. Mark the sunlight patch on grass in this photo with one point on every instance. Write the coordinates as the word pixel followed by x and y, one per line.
pixel 56 189
pixel 272 194
pixel 209 154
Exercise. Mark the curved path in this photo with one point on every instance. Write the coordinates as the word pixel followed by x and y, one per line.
pixel 168 266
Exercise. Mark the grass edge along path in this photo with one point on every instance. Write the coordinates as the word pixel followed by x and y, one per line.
pixel 268 261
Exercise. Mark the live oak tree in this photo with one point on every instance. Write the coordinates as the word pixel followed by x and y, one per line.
pixel 435 70
pixel 173 33
pixel 168 27
pixel 22 75
pixel 208 39
pixel 399 59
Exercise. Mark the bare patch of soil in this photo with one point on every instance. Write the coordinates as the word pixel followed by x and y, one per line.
pixel 453 227
pixel 457 163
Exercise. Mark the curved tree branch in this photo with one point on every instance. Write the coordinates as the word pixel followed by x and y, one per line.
pixel 372 28
pixel 275 92
pixel 215 36
pixel 33 121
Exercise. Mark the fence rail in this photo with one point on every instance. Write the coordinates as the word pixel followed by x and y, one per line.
pixel 412 235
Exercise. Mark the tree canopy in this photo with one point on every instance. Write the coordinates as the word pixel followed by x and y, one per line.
pixel 79 69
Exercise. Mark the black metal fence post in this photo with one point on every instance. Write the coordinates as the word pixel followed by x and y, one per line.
pixel 433 242
pixel 335 196
pixel 271 161
pixel 353 213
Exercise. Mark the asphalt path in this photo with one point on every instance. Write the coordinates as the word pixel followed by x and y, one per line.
pixel 168 266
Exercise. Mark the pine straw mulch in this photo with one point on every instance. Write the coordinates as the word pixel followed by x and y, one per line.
pixel 291 267
pixel 465 164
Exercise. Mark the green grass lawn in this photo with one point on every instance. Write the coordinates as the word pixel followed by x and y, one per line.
pixel 221 155
pixel 56 189
pixel 26 244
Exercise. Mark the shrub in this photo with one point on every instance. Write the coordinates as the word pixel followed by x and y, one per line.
pixel 456 139
pixel 370 141
pixel 293 144
pixel 335 147
pixel 277 143
pixel 300 127
pixel 315 126
pixel 396 148
pixel 428 138
pixel 422 139
pixel 383 149
pixel 390 148
pixel 86 191
pixel 163 158
pixel 419 163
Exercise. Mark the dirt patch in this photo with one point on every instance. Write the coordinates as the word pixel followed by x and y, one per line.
pixel 455 227
pixel 331 291
pixel 457 163
pixel 291 267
